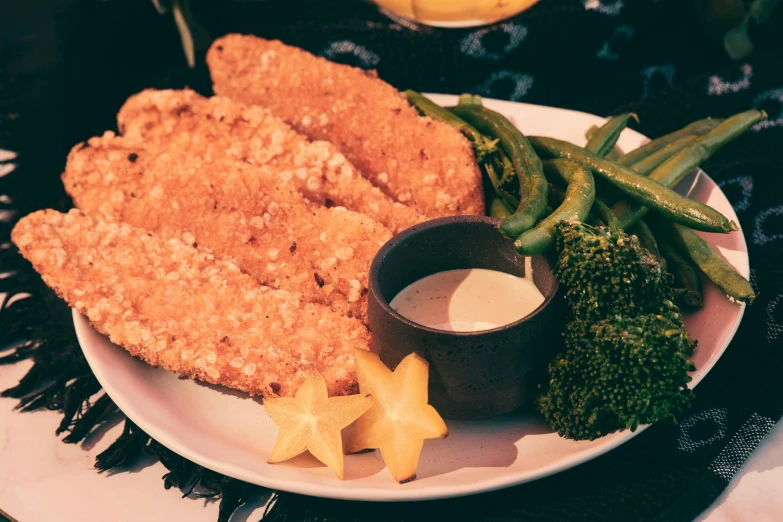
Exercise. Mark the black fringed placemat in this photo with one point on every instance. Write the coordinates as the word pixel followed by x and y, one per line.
pixel 66 70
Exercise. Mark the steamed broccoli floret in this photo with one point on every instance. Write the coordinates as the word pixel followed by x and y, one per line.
pixel 626 354
pixel 618 373
pixel 608 273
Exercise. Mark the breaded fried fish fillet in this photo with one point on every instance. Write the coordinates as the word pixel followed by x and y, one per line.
pixel 218 128
pixel 183 309
pixel 420 162
pixel 234 209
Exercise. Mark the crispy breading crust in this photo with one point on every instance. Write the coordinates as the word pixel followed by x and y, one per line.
pixel 219 128
pixel 418 161
pixel 183 309
pixel 234 209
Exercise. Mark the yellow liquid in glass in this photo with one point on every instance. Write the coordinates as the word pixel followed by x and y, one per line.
pixel 456 13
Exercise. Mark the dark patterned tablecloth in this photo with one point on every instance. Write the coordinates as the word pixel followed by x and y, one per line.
pixel 66 66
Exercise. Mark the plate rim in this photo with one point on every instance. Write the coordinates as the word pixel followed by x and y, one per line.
pixel 82 328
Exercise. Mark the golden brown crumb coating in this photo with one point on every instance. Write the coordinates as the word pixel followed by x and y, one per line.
pixel 420 162
pixel 218 128
pixel 234 209
pixel 183 309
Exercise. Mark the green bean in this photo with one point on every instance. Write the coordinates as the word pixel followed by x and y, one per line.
pixel 482 146
pixel 674 169
pixel 603 191
pixel 687 283
pixel 557 195
pixel 532 183
pixel 605 214
pixel 645 166
pixel 498 209
pixel 647 240
pixel 575 207
pixel 556 181
pixel 605 137
pixel 683 162
pixel 712 264
pixel 645 190
pixel 694 129
pixel 613 154
pixel 649 163
pixel 469 99
pixel 429 108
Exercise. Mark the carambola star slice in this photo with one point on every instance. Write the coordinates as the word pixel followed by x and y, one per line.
pixel 313 421
pixel 400 418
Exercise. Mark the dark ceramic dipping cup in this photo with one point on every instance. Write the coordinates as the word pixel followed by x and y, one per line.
pixel 473 375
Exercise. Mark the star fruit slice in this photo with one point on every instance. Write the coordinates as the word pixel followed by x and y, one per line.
pixel 400 418
pixel 311 420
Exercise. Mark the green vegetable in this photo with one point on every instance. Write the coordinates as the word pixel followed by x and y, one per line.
pixel 614 154
pixel 498 209
pixel 605 137
pixel 645 190
pixel 601 141
pixel 499 170
pixel 674 169
pixel 527 165
pixel 650 162
pixel 626 354
pixel 694 129
pixel 607 273
pixel 618 373
pixel 687 283
pixel 509 182
pixel 604 192
pixel 646 165
pixel 483 146
pixel 605 214
pixel 714 266
pixel 470 99
pixel 575 206
pixel 648 241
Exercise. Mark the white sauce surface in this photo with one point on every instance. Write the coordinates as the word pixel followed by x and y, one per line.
pixel 469 300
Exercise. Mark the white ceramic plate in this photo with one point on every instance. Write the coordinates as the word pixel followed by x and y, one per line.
pixel 229 432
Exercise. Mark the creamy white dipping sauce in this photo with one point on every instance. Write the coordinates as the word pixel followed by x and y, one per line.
pixel 469 300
